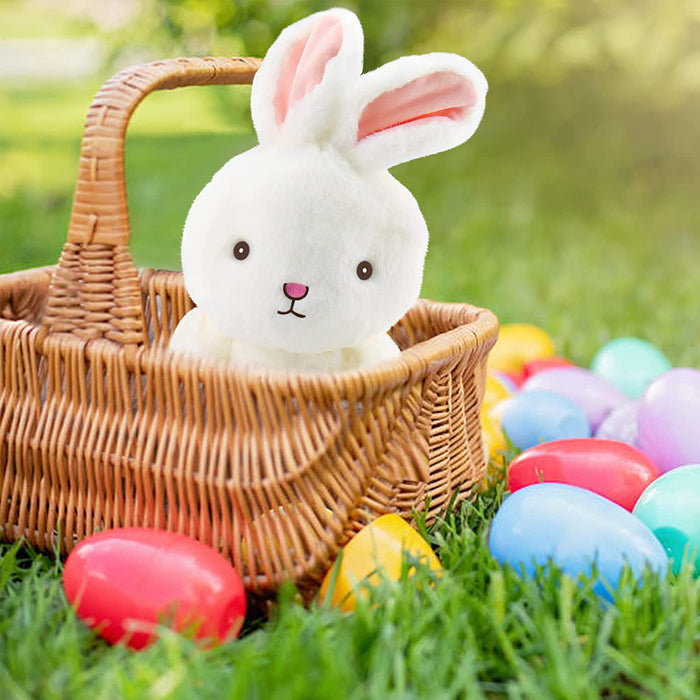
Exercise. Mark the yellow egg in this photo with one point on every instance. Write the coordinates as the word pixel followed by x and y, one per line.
pixel 495 412
pixel 495 447
pixel 494 439
pixel 517 344
pixel 381 544
pixel 494 392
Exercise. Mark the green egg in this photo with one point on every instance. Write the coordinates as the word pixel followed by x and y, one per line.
pixel 670 508
pixel 631 364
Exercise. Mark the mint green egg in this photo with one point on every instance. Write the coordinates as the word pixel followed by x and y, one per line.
pixel 631 364
pixel 670 508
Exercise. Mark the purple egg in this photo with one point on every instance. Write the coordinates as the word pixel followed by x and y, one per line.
pixel 669 419
pixel 593 395
pixel 621 424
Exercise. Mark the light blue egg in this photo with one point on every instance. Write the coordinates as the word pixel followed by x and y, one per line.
pixel 574 528
pixel 631 364
pixel 533 417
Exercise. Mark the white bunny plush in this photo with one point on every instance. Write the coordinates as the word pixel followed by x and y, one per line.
pixel 302 252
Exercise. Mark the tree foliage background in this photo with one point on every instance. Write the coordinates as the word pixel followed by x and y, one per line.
pixel 638 43
pixel 570 63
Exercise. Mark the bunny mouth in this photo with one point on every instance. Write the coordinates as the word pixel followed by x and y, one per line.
pixel 290 310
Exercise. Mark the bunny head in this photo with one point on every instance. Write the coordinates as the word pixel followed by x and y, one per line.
pixel 306 243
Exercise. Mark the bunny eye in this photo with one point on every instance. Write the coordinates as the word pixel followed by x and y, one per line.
pixel 364 270
pixel 241 250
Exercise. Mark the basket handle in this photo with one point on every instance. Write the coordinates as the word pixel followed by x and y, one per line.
pixel 95 290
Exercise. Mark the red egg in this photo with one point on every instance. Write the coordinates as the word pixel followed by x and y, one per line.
pixel 611 469
pixel 125 582
pixel 541 365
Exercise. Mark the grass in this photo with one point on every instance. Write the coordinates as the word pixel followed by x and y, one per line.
pixel 478 631
pixel 566 210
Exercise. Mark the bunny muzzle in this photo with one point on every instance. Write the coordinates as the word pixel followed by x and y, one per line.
pixel 295 292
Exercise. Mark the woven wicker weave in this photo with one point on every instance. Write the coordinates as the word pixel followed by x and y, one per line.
pixel 101 427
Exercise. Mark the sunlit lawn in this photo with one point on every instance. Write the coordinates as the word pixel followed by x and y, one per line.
pixel 558 213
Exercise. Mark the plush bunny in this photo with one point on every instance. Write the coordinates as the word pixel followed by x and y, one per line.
pixel 302 252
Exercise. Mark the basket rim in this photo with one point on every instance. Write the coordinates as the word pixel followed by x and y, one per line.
pixel 475 329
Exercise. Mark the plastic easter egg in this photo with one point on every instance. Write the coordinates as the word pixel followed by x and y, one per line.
pixel 670 508
pixel 516 379
pixel 595 396
pixel 621 424
pixel 517 344
pixel 669 419
pixel 537 366
pixel 379 545
pixel 631 364
pixel 529 418
pixel 125 582
pixel 496 390
pixel 611 469
pixel 574 528
pixel 494 439
pixel 506 379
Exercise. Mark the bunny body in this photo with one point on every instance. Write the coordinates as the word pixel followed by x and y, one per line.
pixel 302 252
pixel 201 338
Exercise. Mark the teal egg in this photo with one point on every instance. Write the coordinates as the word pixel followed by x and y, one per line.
pixel 670 508
pixel 631 364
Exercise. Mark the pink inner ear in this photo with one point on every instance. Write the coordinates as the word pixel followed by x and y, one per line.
pixel 441 94
pixel 305 64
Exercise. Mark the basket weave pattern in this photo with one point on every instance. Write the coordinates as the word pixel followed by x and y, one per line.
pixel 101 427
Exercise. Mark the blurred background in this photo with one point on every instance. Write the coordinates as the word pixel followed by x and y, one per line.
pixel 574 206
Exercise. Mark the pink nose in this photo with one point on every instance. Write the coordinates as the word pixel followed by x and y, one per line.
pixel 295 291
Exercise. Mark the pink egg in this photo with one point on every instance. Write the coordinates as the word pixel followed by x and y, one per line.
pixel 669 419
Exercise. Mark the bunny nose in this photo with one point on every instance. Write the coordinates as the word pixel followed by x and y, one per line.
pixel 295 291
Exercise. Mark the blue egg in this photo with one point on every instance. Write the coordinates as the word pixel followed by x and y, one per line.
pixel 574 528
pixel 631 364
pixel 533 417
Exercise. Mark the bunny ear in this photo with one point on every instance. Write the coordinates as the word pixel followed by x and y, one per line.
pixel 416 106
pixel 297 89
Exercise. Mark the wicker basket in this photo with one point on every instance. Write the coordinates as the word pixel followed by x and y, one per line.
pixel 101 427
